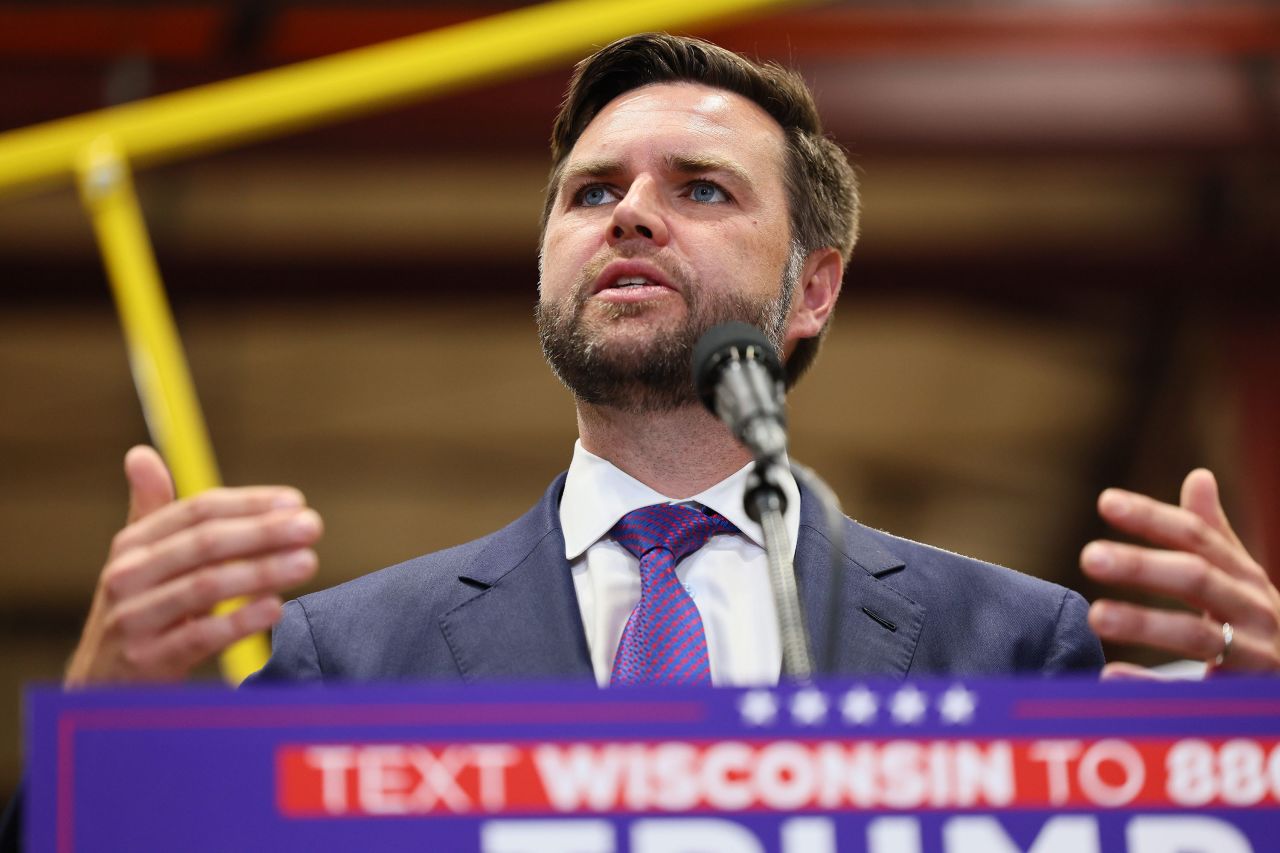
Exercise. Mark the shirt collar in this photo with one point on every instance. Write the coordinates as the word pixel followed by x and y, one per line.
pixel 597 493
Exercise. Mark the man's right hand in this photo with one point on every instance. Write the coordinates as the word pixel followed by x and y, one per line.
pixel 151 618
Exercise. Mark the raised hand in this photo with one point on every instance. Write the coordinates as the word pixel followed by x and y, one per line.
pixel 151 616
pixel 1199 561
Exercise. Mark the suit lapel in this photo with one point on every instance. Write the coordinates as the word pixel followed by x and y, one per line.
pixel 871 629
pixel 521 617
pixel 522 620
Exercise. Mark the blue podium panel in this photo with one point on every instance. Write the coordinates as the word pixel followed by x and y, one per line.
pixel 1063 766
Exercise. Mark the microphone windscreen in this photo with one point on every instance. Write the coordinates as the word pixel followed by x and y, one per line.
pixel 717 343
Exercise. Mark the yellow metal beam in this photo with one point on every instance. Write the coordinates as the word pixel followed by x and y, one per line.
pixel 319 91
pixel 155 352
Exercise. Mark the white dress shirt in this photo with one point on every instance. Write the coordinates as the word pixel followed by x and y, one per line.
pixel 728 578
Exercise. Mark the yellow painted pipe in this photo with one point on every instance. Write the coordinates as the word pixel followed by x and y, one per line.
pixel 320 91
pixel 159 366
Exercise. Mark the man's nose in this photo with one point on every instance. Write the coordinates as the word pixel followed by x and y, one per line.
pixel 639 214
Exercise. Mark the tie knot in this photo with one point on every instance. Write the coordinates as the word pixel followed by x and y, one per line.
pixel 677 528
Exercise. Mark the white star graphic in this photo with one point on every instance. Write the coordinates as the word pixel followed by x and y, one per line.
pixel 758 707
pixel 957 705
pixel 908 706
pixel 808 707
pixel 859 706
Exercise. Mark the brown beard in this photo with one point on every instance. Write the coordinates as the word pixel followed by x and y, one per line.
pixel 651 374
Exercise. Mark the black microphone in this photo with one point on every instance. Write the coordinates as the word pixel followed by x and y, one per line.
pixel 738 376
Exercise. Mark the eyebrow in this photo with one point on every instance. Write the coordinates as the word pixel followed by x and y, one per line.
pixel 682 163
pixel 589 169
pixel 691 165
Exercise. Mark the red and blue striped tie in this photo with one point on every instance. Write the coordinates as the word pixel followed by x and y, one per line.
pixel 663 642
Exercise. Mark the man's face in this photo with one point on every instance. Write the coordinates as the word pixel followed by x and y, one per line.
pixel 671 217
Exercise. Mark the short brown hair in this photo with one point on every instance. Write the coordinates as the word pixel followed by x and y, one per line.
pixel 822 189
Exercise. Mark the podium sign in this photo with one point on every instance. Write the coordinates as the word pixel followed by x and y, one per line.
pixel 1062 766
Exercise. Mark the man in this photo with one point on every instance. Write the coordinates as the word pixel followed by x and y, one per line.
pixel 689 186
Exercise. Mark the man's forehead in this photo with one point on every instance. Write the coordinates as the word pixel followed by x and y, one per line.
pixel 696 101
pixel 708 101
pixel 704 115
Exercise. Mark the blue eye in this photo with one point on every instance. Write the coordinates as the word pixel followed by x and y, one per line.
pixel 707 193
pixel 596 195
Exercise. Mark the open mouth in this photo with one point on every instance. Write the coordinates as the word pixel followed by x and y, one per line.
pixel 633 281
pixel 632 288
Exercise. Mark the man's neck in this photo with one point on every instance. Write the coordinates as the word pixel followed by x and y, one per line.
pixel 678 453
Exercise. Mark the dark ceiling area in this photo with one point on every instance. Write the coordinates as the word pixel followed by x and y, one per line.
pixel 998 78
pixel 1135 139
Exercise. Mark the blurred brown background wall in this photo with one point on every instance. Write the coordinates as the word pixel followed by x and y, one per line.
pixel 1066 281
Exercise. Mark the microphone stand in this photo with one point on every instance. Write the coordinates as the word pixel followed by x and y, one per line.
pixel 740 379
pixel 765 504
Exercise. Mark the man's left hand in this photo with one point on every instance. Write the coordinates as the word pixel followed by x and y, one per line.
pixel 1198 560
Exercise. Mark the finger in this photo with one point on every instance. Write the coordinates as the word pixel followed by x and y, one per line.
pixel 206 506
pixel 150 486
pixel 1121 671
pixel 175 653
pixel 195 594
pixel 1177 528
pixel 1200 495
pixel 207 543
pixel 1186 634
pixel 1186 577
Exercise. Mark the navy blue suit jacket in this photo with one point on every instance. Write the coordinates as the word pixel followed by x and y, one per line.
pixel 504 607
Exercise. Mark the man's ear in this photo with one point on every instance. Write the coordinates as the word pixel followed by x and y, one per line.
pixel 816 294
